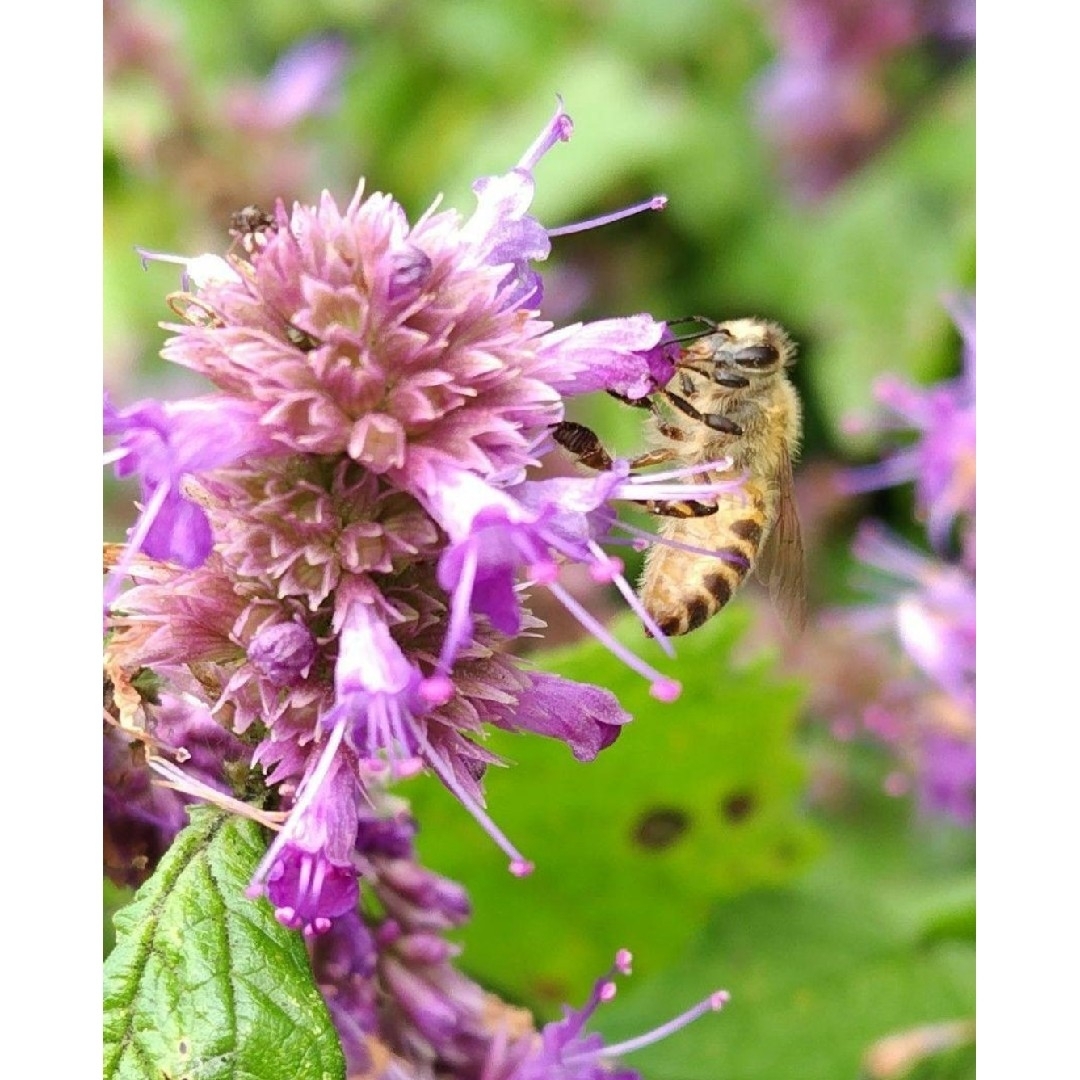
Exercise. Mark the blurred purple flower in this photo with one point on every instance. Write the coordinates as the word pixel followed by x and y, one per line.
pixel 941 463
pixel 826 103
pixel 926 603
pixel 932 613
pixel 305 80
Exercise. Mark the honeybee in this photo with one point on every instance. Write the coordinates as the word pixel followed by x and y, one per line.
pixel 730 397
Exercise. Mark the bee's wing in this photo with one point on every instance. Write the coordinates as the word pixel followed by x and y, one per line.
pixel 782 565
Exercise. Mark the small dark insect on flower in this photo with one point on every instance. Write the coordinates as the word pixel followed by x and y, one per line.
pixel 251 228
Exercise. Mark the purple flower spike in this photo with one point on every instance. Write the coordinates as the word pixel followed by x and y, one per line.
pixel 344 533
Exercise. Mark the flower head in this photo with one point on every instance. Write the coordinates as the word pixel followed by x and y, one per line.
pixel 346 525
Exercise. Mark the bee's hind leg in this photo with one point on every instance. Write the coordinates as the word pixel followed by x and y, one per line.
pixel 583 443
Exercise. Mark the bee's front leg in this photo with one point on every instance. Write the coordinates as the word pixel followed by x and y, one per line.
pixel 716 421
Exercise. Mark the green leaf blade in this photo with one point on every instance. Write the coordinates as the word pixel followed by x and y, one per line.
pixel 205 983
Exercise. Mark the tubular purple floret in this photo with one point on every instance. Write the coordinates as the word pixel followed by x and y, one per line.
pixel 307 794
pixel 558 129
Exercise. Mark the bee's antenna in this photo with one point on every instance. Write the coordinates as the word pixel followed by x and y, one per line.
pixel 709 325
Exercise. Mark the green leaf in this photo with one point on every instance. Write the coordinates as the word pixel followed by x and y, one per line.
pixel 822 974
pixel 697 799
pixel 204 983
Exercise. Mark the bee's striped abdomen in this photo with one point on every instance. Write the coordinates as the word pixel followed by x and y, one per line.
pixel 682 590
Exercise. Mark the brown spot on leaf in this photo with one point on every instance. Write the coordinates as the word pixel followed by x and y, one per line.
pixel 660 827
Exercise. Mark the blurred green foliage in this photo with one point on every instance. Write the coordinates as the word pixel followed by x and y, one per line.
pixel 695 800
pixel 877 936
pixel 823 970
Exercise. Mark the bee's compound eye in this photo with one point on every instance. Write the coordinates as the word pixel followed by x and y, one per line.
pixel 756 356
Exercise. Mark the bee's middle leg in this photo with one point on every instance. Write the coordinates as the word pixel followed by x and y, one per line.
pixel 679 508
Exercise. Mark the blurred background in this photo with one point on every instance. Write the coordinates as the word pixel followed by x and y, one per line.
pixel 798 827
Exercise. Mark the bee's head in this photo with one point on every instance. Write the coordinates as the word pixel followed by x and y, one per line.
pixel 743 349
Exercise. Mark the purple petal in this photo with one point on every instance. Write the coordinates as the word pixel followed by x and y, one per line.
pixel 587 718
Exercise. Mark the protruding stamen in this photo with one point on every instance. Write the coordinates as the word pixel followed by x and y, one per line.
pixel 519 865
pixel 558 129
pixel 657 202
pixel 713 1003
pixel 604 636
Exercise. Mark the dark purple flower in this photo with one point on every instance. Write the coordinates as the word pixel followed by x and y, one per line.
pixel 309 873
